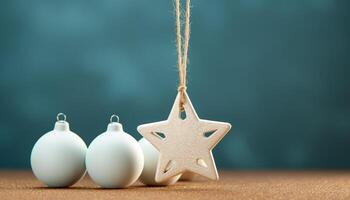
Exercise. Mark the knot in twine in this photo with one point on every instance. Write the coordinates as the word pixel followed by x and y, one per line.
pixel 182 48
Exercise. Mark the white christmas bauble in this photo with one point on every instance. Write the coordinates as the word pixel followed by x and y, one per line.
pixel 58 157
pixel 114 159
pixel 151 155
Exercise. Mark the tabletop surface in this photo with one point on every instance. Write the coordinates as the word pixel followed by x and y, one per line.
pixel 232 185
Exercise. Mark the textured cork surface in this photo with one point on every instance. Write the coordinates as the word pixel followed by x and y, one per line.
pixel 232 185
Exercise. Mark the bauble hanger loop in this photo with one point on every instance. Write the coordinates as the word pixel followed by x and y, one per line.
pixel 114 116
pixel 61 115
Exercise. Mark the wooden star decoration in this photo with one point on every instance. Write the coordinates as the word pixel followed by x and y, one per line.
pixel 185 143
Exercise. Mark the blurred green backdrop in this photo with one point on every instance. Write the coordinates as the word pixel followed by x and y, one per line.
pixel 277 70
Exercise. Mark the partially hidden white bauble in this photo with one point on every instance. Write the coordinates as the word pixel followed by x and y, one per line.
pixel 114 159
pixel 151 155
pixel 188 176
pixel 58 157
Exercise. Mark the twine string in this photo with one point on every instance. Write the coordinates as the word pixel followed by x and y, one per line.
pixel 182 47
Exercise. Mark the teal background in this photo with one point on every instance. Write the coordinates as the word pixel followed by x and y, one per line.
pixel 277 70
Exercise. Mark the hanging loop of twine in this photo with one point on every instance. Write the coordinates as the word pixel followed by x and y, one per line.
pixel 182 47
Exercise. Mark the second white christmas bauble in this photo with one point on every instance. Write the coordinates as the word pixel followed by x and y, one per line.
pixel 58 157
pixel 151 155
pixel 114 159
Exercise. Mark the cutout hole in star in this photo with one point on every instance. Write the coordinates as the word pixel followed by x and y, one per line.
pixel 169 166
pixel 209 133
pixel 160 135
pixel 201 162
pixel 182 115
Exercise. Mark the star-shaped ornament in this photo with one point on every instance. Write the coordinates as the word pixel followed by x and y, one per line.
pixel 185 142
